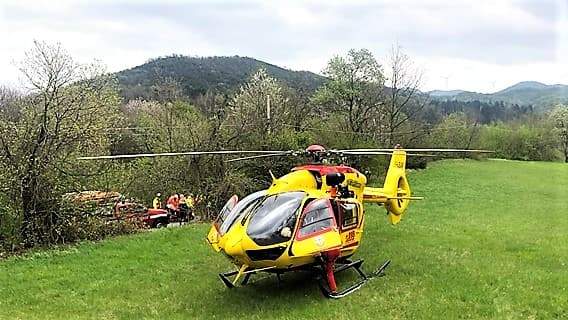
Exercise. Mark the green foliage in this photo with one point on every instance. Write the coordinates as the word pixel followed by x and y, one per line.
pixel 521 141
pixel 559 118
pixel 67 223
pixel 167 127
pixel 454 131
pixel 355 89
pixel 479 111
pixel 248 118
pixel 84 221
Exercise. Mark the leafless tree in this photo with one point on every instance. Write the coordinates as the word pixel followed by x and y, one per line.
pixel 63 113
pixel 403 99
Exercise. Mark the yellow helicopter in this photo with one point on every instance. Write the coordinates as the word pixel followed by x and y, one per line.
pixel 312 218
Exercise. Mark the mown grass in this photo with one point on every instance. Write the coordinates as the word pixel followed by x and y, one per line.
pixel 490 241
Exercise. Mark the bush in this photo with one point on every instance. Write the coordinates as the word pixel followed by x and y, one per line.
pixel 71 222
pixel 87 222
pixel 520 142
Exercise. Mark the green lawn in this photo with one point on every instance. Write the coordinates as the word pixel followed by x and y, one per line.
pixel 489 241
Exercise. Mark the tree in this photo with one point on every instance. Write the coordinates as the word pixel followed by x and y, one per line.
pixel 560 119
pixel 454 131
pixel 403 101
pixel 355 90
pixel 64 114
pixel 249 119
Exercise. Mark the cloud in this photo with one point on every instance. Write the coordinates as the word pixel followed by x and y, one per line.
pixel 459 37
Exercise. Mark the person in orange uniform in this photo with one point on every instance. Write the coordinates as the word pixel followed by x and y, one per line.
pixel 173 204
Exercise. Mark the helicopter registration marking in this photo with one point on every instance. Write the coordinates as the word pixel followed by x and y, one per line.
pixel 353 183
pixel 350 237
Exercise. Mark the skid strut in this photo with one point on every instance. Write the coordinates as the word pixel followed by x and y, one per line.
pixel 327 283
pixel 244 270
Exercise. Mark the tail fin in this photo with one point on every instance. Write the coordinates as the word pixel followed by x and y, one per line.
pixel 395 194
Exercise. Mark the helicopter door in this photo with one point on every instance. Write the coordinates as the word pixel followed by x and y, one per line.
pixel 213 235
pixel 317 230
pixel 349 217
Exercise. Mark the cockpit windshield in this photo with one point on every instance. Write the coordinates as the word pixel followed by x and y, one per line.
pixel 242 206
pixel 274 219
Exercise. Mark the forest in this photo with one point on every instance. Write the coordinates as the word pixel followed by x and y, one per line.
pixel 69 110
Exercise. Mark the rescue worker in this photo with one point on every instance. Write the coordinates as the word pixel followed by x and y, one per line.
pixel 191 205
pixel 157 202
pixel 173 204
pixel 183 209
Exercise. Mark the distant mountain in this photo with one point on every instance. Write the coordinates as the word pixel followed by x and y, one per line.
pixel 539 95
pixel 445 93
pixel 199 74
pixel 524 85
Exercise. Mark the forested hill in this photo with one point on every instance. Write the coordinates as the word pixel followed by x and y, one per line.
pixel 196 75
pixel 540 95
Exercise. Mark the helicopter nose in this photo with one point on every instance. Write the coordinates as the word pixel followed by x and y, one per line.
pixel 234 248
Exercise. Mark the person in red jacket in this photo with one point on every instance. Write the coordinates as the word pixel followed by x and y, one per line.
pixel 173 204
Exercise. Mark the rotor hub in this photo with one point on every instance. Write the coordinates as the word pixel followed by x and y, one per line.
pixel 315 148
pixel 316 152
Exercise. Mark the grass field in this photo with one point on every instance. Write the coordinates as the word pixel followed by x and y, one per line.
pixel 490 241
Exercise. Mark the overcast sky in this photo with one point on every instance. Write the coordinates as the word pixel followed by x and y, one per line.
pixel 460 44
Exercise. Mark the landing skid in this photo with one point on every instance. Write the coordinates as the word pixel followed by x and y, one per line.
pixel 357 285
pixel 339 266
pixel 225 278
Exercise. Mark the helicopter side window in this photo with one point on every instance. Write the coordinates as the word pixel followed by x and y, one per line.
pixel 227 208
pixel 349 215
pixel 316 219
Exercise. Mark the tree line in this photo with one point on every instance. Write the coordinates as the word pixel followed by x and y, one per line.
pixel 71 110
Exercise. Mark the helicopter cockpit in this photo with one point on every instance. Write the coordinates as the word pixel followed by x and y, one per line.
pixel 272 219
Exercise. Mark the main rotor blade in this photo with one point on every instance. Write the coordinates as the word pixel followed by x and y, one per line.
pixel 359 153
pixel 416 150
pixel 406 198
pixel 172 154
pixel 260 156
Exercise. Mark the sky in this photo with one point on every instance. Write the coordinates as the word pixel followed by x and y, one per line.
pixel 476 45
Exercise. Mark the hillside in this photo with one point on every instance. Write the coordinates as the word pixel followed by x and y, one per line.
pixel 199 74
pixel 489 242
pixel 537 94
pixel 445 93
pixel 225 74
